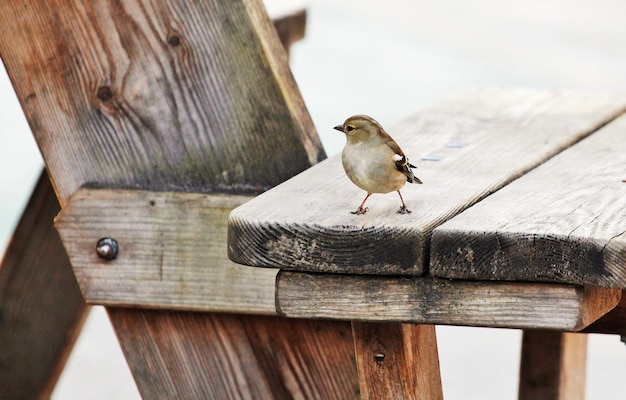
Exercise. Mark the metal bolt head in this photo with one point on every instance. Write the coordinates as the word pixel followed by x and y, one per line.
pixel 107 248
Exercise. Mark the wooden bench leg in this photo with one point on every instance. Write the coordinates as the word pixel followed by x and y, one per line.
pixel 187 355
pixel 397 361
pixel 41 307
pixel 553 365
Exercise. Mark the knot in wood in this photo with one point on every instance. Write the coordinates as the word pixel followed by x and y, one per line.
pixel 104 93
pixel 173 40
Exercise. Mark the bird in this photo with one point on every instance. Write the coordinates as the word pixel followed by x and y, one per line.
pixel 373 160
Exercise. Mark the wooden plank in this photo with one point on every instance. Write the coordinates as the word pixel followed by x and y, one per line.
pixel 155 95
pixel 289 19
pixel 563 222
pixel 178 355
pixel 483 140
pixel 553 366
pixel 172 252
pixel 397 361
pixel 426 300
pixel 41 308
pixel 613 322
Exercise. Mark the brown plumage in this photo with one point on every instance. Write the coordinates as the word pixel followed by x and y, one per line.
pixel 373 160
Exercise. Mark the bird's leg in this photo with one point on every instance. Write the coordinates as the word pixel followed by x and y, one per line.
pixel 403 209
pixel 361 210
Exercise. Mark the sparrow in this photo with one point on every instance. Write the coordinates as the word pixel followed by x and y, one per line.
pixel 373 160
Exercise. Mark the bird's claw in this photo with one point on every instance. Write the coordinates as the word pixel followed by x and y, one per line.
pixel 404 210
pixel 359 211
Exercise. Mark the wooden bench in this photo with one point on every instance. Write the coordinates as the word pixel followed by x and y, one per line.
pixel 155 120
pixel 520 223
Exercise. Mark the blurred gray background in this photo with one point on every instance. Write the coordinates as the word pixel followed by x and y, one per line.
pixel 389 59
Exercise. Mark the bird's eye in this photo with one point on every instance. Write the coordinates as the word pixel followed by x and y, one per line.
pixel 349 128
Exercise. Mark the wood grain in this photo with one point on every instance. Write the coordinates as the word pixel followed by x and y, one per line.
pixel 172 252
pixel 397 361
pixel 170 96
pixel 613 322
pixel 41 308
pixel 484 139
pixel 553 366
pixel 426 300
pixel 563 222
pixel 178 355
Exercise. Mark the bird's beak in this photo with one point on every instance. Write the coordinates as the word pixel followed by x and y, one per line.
pixel 339 128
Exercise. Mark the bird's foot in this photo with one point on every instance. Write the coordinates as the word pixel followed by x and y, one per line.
pixel 359 211
pixel 404 210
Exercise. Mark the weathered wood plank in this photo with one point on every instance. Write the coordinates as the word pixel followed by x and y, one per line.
pixel 563 222
pixel 426 300
pixel 483 138
pixel 172 252
pixel 397 361
pixel 178 355
pixel 41 308
pixel 553 366
pixel 155 95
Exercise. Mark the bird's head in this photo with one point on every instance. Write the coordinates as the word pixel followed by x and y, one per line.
pixel 360 128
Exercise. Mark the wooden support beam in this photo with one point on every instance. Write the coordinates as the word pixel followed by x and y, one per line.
pixel 559 223
pixel 481 140
pixel 41 307
pixel 397 361
pixel 553 366
pixel 183 355
pixel 613 322
pixel 172 252
pixel 428 300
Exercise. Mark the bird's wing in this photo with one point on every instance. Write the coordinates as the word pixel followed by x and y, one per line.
pixel 402 164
